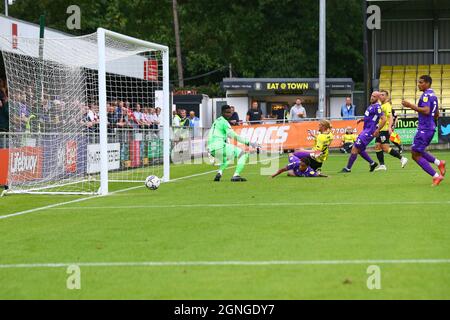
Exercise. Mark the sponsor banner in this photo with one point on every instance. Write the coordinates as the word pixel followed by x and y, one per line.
pixel 181 152
pixel 294 135
pixel 151 70
pixel 444 130
pixel 93 157
pixel 71 156
pixel 287 85
pixel 25 164
pixel 4 161
pixel 135 153
pixel 64 158
pixel 198 147
pixel 407 128
pixel 154 150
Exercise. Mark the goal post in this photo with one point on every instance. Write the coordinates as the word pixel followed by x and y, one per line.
pixel 101 35
pixel 102 115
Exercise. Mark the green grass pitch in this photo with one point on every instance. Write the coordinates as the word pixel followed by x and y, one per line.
pixel 393 215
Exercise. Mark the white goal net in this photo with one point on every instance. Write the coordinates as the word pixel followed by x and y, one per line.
pixel 87 114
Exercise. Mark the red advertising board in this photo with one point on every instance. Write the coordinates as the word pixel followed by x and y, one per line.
pixel 4 160
pixel 135 153
pixel 25 164
pixel 14 34
pixel 294 135
pixel 151 70
pixel 71 156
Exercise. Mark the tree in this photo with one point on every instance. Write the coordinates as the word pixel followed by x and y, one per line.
pixel 260 38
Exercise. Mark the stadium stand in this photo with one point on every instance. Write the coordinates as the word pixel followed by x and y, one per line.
pixel 401 82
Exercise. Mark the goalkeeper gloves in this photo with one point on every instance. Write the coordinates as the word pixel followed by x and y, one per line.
pixel 254 145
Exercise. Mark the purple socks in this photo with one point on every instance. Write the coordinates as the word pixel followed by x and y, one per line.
pixel 428 157
pixel 423 162
pixel 366 156
pixel 351 160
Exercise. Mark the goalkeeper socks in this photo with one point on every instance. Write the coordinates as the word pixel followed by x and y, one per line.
pixel 380 156
pixel 395 153
pixel 243 157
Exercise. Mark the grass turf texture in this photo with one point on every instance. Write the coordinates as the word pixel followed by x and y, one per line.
pixel 345 217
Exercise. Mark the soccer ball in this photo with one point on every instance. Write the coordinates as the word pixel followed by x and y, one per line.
pixel 152 182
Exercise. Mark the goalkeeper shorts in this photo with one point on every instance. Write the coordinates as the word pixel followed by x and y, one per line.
pixel 226 152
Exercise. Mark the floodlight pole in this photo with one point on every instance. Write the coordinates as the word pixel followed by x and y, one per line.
pixel 365 52
pixel 6 7
pixel 322 58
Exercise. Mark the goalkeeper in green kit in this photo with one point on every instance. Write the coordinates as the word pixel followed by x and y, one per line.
pixel 224 152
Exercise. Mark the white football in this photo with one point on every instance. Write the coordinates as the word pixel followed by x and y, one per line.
pixel 152 182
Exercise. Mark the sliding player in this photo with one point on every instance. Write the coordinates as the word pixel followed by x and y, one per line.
pixel 428 114
pixel 382 141
pixel 320 151
pixel 224 152
pixel 374 119
pixel 299 168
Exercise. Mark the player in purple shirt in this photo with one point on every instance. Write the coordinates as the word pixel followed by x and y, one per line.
pixel 299 167
pixel 374 120
pixel 428 114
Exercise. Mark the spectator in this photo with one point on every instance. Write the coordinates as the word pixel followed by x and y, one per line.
pixel 138 120
pixel 194 123
pixel 25 116
pixel 348 139
pixel 91 119
pixel 254 115
pixel 130 118
pixel 112 118
pixel 176 118
pixel 155 117
pixel 158 116
pixel 348 110
pixel 234 119
pixel 193 120
pixel 146 118
pixel 184 120
pixel 298 112
pixel 122 115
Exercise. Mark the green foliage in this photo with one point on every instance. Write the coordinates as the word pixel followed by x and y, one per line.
pixel 261 38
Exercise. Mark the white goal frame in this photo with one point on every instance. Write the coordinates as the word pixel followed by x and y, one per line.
pixel 103 34
pixel 101 39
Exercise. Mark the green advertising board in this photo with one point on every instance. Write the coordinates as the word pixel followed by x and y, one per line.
pixel 407 128
pixel 155 149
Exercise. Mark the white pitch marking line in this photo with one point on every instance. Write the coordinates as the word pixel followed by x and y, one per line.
pixel 53 206
pixel 270 204
pixel 112 193
pixel 222 263
pixel 60 204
